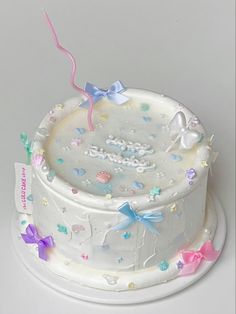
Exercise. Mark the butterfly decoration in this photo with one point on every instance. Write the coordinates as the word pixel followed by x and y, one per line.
pixel 180 132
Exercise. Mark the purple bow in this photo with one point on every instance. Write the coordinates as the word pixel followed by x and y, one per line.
pixel 32 236
pixel 113 94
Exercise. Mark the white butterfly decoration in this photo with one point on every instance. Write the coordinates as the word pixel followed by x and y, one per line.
pixel 180 132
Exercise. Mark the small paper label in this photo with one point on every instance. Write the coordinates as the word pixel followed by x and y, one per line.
pixel 23 196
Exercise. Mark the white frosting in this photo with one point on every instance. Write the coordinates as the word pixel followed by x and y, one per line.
pixel 80 212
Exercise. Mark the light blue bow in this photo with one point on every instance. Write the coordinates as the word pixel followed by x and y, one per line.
pixel 147 220
pixel 113 94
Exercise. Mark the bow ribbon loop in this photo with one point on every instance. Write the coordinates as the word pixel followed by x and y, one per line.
pixel 32 237
pixel 113 94
pixel 193 259
pixel 147 220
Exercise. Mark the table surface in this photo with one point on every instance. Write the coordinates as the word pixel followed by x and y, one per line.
pixel 183 48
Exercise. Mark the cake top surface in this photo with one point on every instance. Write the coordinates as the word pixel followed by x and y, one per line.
pixel 136 150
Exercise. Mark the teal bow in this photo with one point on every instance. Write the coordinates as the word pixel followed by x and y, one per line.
pixel 147 220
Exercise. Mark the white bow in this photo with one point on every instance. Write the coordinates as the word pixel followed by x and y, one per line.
pixel 180 131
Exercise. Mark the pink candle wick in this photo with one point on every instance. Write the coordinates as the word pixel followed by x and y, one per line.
pixel 73 71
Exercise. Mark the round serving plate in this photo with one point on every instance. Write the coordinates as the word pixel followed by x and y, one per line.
pixel 73 289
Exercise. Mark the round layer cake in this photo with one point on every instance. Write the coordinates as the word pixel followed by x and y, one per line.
pixel 126 198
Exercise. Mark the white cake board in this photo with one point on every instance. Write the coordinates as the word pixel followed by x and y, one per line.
pixel 157 292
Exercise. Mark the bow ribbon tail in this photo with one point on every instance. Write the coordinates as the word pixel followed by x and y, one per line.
pixel 150 226
pixel 190 268
pixel 208 251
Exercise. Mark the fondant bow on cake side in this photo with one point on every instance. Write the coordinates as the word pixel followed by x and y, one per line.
pixel 148 220
pixel 114 94
pixel 32 237
pixel 193 259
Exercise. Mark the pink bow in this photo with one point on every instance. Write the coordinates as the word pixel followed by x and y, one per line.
pixel 192 259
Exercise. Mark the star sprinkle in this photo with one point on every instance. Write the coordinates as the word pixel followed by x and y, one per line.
pixel 108 196
pixel 156 191
pixel 62 229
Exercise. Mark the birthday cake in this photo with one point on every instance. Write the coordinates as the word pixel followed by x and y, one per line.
pixel 114 193
pixel 121 206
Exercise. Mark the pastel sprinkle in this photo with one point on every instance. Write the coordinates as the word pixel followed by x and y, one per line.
pixel 30 198
pixel 103 176
pixel 84 257
pixel 108 196
pixel 147 119
pixel 131 285
pixel 126 235
pixel 77 228
pixel 75 142
pixel 74 191
pixel 23 222
pixel 44 201
pixel 137 185
pixel 81 131
pixel 144 107
pixel 164 265
pixel 37 160
pixel 60 161
pixel 175 157
pixel 62 229
pixel 155 191
pixel 51 175
pixel 79 171
pixel 180 265
pixel 204 163
pixel 173 208
pixel 191 173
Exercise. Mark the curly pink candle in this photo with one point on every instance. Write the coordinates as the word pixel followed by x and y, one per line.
pixel 73 71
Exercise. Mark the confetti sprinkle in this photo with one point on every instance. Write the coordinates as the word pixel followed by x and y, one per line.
pixel 120 259
pixel 131 285
pixel 75 141
pixel 60 161
pixel 51 175
pixel 173 208
pixel 77 228
pixel 191 174
pixel 138 185
pixel 108 196
pixel 81 131
pixel 23 222
pixel 164 265
pixel 59 106
pixel 84 257
pixel 44 201
pixel 103 176
pixel 37 160
pixel 144 107
pixel 175 157
pixel 204 164
pixel 126 235
pixel 147 119
pixel 62 229
pixel 155 191
pixel 104 117
pixel 30 198
pixel 79 172
pixel 74 191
